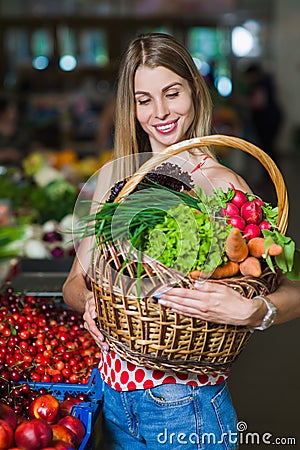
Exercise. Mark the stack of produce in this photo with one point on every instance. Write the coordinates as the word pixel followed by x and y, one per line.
pixel 43 341
pixel 35 419
pixel 253 241
pixel 192 232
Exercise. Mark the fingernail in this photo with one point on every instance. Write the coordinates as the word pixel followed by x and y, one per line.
pixel 162 302
pixel 157 296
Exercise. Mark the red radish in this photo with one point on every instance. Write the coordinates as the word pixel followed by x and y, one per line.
pixel 251 231
pixel 237 222
pixel 264 225
pixel 230 210
pixel 259 201
pixel 251 212
pixel 239 198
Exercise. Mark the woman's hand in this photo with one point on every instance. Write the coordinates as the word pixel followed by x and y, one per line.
pixel 89 317
pixel 215 302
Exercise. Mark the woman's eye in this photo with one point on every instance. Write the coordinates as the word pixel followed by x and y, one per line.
pixel 173 95
pixel 143 102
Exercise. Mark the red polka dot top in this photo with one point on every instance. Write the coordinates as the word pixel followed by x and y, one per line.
pixel 125 376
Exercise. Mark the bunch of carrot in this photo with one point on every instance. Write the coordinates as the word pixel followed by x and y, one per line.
pixel 244 257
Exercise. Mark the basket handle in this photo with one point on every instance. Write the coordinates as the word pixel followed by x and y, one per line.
pixel 221 140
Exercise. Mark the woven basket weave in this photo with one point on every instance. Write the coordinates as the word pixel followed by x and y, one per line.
pixel 146 333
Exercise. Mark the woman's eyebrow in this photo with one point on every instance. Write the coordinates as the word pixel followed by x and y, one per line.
pixel 164 89
pixel 171 85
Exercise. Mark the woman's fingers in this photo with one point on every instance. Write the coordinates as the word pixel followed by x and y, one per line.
pixel 209 301
pixel 89 317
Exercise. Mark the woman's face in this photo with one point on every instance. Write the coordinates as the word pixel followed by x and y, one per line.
pixel 164 106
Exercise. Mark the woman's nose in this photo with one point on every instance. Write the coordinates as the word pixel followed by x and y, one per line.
pixel 161 109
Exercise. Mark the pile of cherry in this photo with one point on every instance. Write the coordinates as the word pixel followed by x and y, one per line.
pixel 43 341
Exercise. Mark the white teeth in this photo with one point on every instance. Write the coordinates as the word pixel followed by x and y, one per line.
pixel 165 127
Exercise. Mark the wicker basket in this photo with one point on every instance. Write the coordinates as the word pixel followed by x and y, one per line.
pixel 146 333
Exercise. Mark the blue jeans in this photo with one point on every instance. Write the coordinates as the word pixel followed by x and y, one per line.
pixel 170 416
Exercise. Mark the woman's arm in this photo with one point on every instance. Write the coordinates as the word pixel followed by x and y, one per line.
pixel 221 304
pixel 287 300
pixel 76 291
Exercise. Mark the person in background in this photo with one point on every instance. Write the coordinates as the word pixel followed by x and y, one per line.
pixel 265 112
pixel 161 100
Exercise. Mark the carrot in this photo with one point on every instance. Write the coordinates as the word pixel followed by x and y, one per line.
pixel 195 274
pixel 236 247
pixel 229 269
pixel 257 248
pixel 251 266
pixel 275 249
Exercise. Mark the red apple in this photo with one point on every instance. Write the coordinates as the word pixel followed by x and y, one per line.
pixel 45 407
pixel 6 435
pixel 33 434
pixel 8 414
pixel 75 425
pixel 62 433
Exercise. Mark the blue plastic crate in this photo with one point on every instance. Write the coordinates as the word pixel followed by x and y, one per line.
pixel 87 412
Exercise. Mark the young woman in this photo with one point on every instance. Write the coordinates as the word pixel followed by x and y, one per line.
pixel 161 100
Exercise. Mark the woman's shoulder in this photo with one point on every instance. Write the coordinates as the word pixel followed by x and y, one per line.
pixel 104 180
pixel 222 176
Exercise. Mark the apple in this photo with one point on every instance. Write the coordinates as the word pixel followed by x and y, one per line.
pixel 75 425
pixel 33 434
pixel 45 407
pixel 62 433
pixel 6 435
pixel 8 414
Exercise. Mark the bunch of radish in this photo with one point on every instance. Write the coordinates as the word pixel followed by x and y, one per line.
pixel 245 245
pixel 246 249
pixel 246 215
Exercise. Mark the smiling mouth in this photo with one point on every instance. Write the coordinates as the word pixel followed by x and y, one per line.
pixel 166 128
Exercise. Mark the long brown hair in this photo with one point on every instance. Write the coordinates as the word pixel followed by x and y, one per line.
pixel 153 50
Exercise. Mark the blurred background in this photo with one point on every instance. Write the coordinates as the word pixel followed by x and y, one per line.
pixel 58 68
